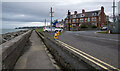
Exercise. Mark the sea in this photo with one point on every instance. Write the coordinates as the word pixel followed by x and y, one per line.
pixel 3 31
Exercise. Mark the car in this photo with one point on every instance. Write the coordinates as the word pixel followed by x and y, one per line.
pixel 104 28
pixel 58 29
pixel 48 29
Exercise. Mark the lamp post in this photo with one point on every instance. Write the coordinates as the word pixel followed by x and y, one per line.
pixel 51 15
pixel 45 22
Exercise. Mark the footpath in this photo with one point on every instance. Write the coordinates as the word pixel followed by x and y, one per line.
pixel 35 57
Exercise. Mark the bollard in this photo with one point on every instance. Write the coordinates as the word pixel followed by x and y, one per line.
pixel 61 31
pixel 55 36
pixel 57 32
pixel 109 31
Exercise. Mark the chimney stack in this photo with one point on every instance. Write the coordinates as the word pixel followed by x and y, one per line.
pixel 102 9
pixel 69 13
pixel 83 11
pixel 75 12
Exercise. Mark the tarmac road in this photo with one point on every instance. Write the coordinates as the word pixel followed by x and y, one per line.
pixel 101 46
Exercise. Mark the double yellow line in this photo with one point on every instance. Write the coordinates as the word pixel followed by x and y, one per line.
pixel 89 57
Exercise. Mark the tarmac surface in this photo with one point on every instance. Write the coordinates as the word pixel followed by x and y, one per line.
pixel 35 56
pixel 101 46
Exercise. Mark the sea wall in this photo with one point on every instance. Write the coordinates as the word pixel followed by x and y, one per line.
pixel 10 35
pixel 11 50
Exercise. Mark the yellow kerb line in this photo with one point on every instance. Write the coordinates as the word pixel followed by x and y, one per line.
pixel 88 58
pixel 89 55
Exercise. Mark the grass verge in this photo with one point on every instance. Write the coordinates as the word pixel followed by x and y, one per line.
pixel 39 30
pixel 103 32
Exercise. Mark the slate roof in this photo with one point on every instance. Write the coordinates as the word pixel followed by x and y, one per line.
pixel 86 14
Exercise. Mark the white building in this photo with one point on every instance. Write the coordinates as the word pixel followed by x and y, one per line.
pixel 119 8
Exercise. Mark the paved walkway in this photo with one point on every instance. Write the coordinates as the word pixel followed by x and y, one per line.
pixel 35 57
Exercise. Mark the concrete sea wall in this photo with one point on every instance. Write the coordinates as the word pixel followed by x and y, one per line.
pixel 11 50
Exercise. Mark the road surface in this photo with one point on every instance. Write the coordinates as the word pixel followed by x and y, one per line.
pixel 101 46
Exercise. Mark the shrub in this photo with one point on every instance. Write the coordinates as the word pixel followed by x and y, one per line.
pixel 94 26
pixel 83 26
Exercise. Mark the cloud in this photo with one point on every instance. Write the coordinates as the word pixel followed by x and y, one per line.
pixel 64 1
pixel 18 13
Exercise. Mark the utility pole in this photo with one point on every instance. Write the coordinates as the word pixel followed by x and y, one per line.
pixel 51 14
pixel 45 22
pixel 68 21
pixel 113 10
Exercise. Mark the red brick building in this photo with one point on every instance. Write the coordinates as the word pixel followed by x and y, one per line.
pixel 97 18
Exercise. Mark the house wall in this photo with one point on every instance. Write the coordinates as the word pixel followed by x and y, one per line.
pixel 103 20
pixel 99 23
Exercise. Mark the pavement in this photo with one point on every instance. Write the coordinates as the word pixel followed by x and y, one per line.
pixel 35 57
pixel 101 46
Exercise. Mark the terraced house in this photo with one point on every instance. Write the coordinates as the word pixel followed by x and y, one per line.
pixel 97 18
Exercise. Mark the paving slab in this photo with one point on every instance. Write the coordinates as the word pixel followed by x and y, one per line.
pixel 35 57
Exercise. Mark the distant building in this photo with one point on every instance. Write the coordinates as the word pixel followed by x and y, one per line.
pixel 97 18
pixel 119 8
pixel 60 24
pixel 54 23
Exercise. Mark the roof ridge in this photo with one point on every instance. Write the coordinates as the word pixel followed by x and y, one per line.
pixel 87 12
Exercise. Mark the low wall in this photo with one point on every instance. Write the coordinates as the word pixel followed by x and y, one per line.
pixel 12 49
pixel 64 58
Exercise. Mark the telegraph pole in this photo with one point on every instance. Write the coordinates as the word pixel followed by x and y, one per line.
pixel 45 22
pixel 113 10
pixel 51 14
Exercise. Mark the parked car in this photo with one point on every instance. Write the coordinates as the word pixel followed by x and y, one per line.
pixel 103 28
pixel 47 29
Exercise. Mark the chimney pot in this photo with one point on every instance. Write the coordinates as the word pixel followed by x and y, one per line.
pixel 75 12
pixel 102 8
pixel 83 11
pixel 69 13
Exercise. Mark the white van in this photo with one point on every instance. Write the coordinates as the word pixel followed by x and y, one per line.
pixel 48 29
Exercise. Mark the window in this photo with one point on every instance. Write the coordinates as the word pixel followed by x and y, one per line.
pixel 81 20
pixel 73 20
pixel 88 19
pixel 99 18
pixel 94 24
pixel 85 19
pixel 77 20
pixel 94 14
pixel 74 16
pixel 94 19
pixel 82 15
pixel 73 25
pixel 66 21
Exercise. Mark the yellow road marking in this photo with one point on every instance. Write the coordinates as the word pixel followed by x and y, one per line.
pixel 88 55
pixel 88 58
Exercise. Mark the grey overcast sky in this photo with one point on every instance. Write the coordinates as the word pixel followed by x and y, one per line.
pixel 19 13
